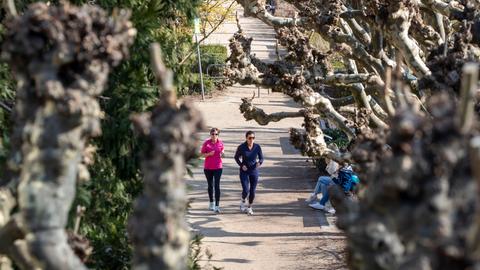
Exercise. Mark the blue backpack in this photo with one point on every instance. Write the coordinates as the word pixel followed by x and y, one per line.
pixel 347 179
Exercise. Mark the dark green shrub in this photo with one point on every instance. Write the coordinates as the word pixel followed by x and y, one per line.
pixel 338 137
pixel 211 55
pixel 194 86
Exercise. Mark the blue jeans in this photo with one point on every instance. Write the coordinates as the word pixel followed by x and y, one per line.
pixel 322 187
pixel 249 180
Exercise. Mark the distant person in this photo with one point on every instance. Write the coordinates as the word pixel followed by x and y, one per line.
pixel 323 183
pixel 270 6
pixel 249 157
pixel 213 151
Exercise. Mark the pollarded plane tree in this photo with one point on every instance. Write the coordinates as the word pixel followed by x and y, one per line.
pixel 409 98
pixel 60 57
pixel 424 43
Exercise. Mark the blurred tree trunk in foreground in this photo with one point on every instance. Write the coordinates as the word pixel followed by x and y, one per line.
pixel 60 57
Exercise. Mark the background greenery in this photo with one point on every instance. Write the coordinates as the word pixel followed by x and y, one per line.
pixel 116 178
pixel 212 57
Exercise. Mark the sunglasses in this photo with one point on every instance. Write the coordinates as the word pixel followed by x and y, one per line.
pixel 216 134
pixel 250 138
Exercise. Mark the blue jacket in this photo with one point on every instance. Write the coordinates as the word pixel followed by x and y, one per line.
pixel 248 157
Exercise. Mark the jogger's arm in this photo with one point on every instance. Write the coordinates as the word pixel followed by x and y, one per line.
pixel 260 155
pixel 238 153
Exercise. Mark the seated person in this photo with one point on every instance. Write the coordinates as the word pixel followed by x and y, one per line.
pixel 323 183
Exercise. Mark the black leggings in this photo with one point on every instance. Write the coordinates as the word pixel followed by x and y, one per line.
pixel 213 175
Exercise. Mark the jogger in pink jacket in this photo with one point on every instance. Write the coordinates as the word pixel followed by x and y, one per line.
pixel 213 150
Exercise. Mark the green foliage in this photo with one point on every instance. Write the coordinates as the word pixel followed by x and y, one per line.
pixel 212 57
pixel 339 138
pixel 195 87
pixel 212 54
pixel 7 95
pixel 196 255
pixel 108 210
pixel 116 178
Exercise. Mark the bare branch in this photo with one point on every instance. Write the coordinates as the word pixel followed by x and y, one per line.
pixel 163 75
pixel 346 78
pixel 360 32
pixel 5 107
pixel 9 6
pixel 452 9
pixel 340 102
pixel 441 26
pixel 361 96
pixel 253 7
pixel 467 98
pixel 386 92
pixel 399 25
pixel 251 112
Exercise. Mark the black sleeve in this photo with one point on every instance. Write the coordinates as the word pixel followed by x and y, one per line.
pixel 260 155
pixel 238 153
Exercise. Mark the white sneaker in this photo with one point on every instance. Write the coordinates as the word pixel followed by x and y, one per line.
pixel 317 206
pixel 243 208
pixel 211 206
pixel 217 210
pixel 329 210
pixel 311 198
pixel 249 211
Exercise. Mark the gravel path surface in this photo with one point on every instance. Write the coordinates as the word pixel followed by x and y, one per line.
pixel 283 233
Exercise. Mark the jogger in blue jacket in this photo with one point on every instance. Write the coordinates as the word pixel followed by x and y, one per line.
pixel 249 157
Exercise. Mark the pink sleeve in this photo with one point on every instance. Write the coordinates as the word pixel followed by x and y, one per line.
pixel 203 147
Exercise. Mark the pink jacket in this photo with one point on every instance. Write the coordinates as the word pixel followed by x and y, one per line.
pixel 213 162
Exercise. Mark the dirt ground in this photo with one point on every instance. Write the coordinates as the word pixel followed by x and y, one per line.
pixel 283 233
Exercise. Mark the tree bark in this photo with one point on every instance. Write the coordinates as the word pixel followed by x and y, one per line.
pixel 61 68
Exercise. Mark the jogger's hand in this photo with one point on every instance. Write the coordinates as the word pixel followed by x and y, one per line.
pixel 244 168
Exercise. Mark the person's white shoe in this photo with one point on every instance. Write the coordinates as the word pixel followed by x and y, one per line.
pixel 217 210
pixel 211 206
pixel 329 210
pixel 311 198
pixel 317 206
pixel 243 208
pixel 249 211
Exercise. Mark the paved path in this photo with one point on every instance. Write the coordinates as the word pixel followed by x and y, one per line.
pixel 263 44
pixel 284 233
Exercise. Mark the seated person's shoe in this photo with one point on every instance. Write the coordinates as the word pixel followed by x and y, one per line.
pixel 317 206
pixel 329 210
